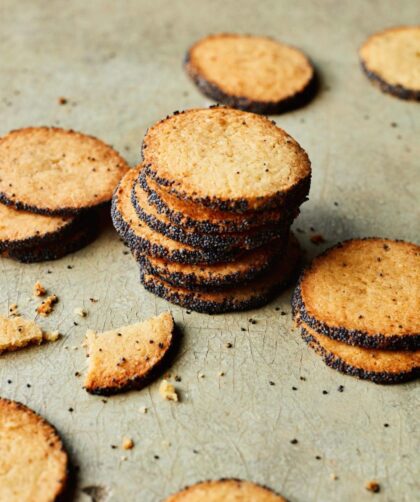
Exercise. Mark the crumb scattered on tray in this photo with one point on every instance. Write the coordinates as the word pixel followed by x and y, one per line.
pixel 47 306
pixel 127 444
pixel 39 289
pixel 80 312
pixel 317 239
pixel 144 409
pixel 62 101
pixel 373 486
pixel 333 476
pixel 167 391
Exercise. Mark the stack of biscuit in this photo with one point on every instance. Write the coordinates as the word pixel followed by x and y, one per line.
pixel 51 183
pixel 208 212
pixel 358 307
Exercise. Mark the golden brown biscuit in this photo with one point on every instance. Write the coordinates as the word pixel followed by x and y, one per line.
pixel 226 490
pixel 204 277
pixel 379 366
pixel 22 229
pixel 54 171
pixel 391 59
pixel 252 73
pixel 364 292
pixel 227 159
pixel 128 357
pixel 33 463
pixel 202 219
pixel 139 237
pixel 240 241
pixel 241 297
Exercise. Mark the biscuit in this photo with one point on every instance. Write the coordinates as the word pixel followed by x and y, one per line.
pixel 202 219
pixel 242 297
pixel 139 237
pixel 23 229
pixel 235 242
pixel 79 237
pixel 33 462
pixel 379 366
pixel 364 292
pixel 227 159
pixel 18 332
pixel 390 59
pixel 53 171
pixel 256 74
pixel 228 490
pixel 217 276
pixel 130 356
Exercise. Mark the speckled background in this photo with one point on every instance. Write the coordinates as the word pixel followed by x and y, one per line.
pixel 119 65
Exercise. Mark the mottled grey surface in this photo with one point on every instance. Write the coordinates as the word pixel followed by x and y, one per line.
pixel 119 65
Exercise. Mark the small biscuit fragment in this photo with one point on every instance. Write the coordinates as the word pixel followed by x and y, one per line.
pixel 379 366
pixel 167 391
pixel 47 306
pixel 128 357
pixel 252 73
pixel 228 490
pixel 53 171
pixel 364 292
pixel 39 289
pixel 33 462
pixel 391 60
pixel 17 332
pixel 228 160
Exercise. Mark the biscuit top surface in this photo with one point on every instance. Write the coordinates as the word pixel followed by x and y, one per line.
pixel 224 154
pixel 19 225
pixel 52 169
pixel 33 464
pixel 226 490
pixel 258 68
pixel 394 55
pixel 370 285
pixel 129 352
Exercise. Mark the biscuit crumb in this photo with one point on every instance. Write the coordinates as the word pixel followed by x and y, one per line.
pixel 167 391
pixel 80 312
pixel 166 443
pixel 317 239
pixel 373 486
pixel 201 375
pixel 47 306
pixel 62 101
pixel 333 476
pixel 221 373
pixel 13 309
pixel 51 337
pixel 127 444
pixel 144 410
pixel 39 289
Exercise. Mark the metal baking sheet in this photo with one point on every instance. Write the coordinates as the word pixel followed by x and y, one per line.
pixel 118 63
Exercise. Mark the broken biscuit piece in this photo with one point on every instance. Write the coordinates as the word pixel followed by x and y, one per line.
pixel 128 357
pixel 18 332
